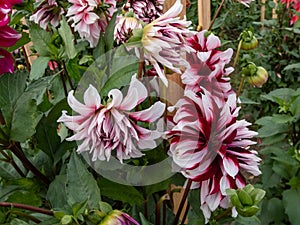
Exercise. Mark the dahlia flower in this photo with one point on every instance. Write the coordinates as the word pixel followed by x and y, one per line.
pixel 124 27
pixel 47 12
pixel 145 10
pixel 207 65
pixel 5 10
pixel 163 41
pixel 210 146
pixel 105 128
pixel 87 20
pixel 117 217
pixel 8 36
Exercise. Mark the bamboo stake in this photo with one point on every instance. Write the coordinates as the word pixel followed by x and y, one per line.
pixel 262 13
pixel 204 14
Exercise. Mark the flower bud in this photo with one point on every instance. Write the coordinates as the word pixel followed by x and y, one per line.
pixel 246 200
pixel 249 41
pixel 259 78
pixel 124 28
pixel 117 217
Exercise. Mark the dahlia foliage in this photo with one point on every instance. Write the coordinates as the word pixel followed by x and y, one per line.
pixel 93 60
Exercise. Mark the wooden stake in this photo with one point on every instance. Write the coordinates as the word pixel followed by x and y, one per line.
pixel 204 14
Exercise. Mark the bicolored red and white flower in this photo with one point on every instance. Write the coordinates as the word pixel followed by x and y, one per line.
pixel 91 17
pixel 117 217
pixel 163 41
pixel 112 127
pixel 8 36
pixel 124 28
pixel 211 147
pixel 207 65
pixel 145 10
pixel 47 12
pixel 6 9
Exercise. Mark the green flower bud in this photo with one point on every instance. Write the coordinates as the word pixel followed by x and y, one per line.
pixel 248 211
pixel 67 219
pixel 245 197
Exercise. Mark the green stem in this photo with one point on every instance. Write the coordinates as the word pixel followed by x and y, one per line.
pixel 237 54
pixel 241 86
pixel 183 199
pixel 223 214
pixel 216 15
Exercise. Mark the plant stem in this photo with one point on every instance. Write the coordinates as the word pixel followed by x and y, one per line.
pixel 237 54
pixel 67 75
pixel 26 163
pixel 13 163
pixel 183 199
pixel 25 215
pixel 241 86
pixel 28 66
pixel 27 207
pixel 64 84
pixel 141 65
pixel 216 15
pixel 158 206
pixel 185 214
pixel 223 214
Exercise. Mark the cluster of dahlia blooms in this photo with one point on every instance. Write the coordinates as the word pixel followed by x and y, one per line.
pixel 162 37
pixel 8 36
pixel 208 144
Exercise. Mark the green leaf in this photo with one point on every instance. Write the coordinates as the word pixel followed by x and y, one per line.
pixel 105 207
pixel 7 171
pixel 291 203
pixel 56 193
pixel 295 106
pixel 38 67
pixel 292 66
pixel 280 94
pixel 25 197
pixel 26 114
pixel 269 128
pixel 109 33
pixel 195 215
pixel 21 42
pixel 41 39
pixel 143 220
pixel 80 184
pixel 5 191
pixel 79 208
pixel 120 192
pixel 16 221
pixel 52 221
pixel 12 87
pixel 46 132
pixel 67 36
pixel 120 76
